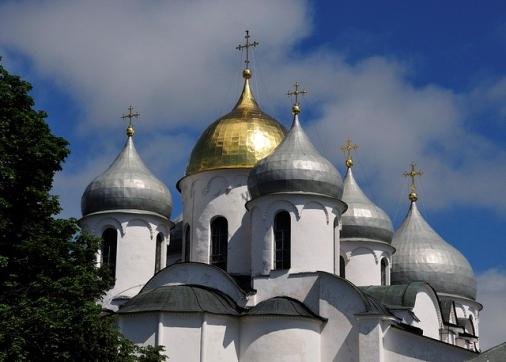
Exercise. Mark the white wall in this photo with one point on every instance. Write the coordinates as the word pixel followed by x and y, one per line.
pixel 181 336
pixel 139 328
pixel 221 338
pixel 400 345
pixel 426 310
pixel 363 261
pixel 136 246
pixel 280 339
pixel 312 232
pixel 328 296
pixel 218 193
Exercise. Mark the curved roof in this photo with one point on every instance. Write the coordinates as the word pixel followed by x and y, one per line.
pixel 395 296
pixel 295 166
pixel 283 306
pixel 127 185
pixel 181 298
pixel 422 255
pixel 239 139
pixel 363 219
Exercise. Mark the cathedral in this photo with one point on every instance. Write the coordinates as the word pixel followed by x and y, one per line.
pixel 275 256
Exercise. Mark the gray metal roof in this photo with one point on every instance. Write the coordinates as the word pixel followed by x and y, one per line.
pixel 127 185
pixel 422 255
pixel 494 354
pixel 363 219
pixel 394 296
pixel 181 298
pixel 295 166
pixel 283 306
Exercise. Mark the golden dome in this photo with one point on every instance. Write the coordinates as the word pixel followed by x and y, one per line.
pixel 239 139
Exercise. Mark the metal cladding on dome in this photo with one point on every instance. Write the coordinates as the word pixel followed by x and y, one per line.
pixel 127 185
pixel 422 255
pixel 363 219
pixel 295 166
pixel 239 139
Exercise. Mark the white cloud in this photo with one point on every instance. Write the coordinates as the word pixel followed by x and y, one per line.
pixel 175 61
pixel 492 294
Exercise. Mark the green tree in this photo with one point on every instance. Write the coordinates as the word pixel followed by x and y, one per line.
pixel 49 282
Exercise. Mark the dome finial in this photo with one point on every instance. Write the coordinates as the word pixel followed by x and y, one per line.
pixel 296 92
pixel 347 149
pixel 246 73
pixel 130 115
pixel 413 173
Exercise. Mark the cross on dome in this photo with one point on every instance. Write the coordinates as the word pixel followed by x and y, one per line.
pixel 130 115
pixel 247 44
pixel 296 92
pixel 347 149
pixel 413 173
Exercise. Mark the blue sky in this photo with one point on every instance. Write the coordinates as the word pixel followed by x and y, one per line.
pixel 422 82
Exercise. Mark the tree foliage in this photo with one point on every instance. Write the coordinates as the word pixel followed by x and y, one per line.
pixel 49 282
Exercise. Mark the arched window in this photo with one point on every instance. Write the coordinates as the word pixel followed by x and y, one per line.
pixel 384 271
pixel 158 254
pixel 342 267
pixel 187 243
pixel 282 240
pixel 109 247
pixel 219 242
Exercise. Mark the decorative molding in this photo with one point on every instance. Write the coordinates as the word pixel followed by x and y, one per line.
pixel 109 221
pixel 278 205
pixel 319 205
pixel 370 251
pixel 148 225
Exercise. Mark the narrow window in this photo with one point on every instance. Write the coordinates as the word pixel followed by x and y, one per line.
pixel 384 267
pixel 219 242
pixel 342 267
pixel 158 254
pixel 282 240
pixel 109 246
pixel 187 242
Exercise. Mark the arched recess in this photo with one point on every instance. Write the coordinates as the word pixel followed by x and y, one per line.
pixel 217 184
pixel 187 243
pixel 342 267
pixel 219 242
pixel 384 272
pixel 319 206
pixel 158 253
pixel 109 222
pixel 282 240
pixel 109 250
pixel 278 205
pixel 361 250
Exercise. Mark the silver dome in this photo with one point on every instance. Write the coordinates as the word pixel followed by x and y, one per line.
pixel 363 219
pixel 295 166
pixel 422 255
pixel 127 185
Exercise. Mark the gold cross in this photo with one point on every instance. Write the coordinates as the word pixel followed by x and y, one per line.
pixel 413 173
pixel 246 46
pixel 130 115
pixel 347 149
pixel 296 92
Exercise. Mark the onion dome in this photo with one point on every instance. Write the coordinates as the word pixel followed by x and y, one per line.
pixel 363 219
pixel 127 185
pixel 422 255
pixel 238 139
pixel 295 166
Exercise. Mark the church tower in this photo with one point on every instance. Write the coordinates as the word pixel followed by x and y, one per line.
pixel 129 208
pixel 423 255
pixel 295 207
pixel 214 190
pixel 366 253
